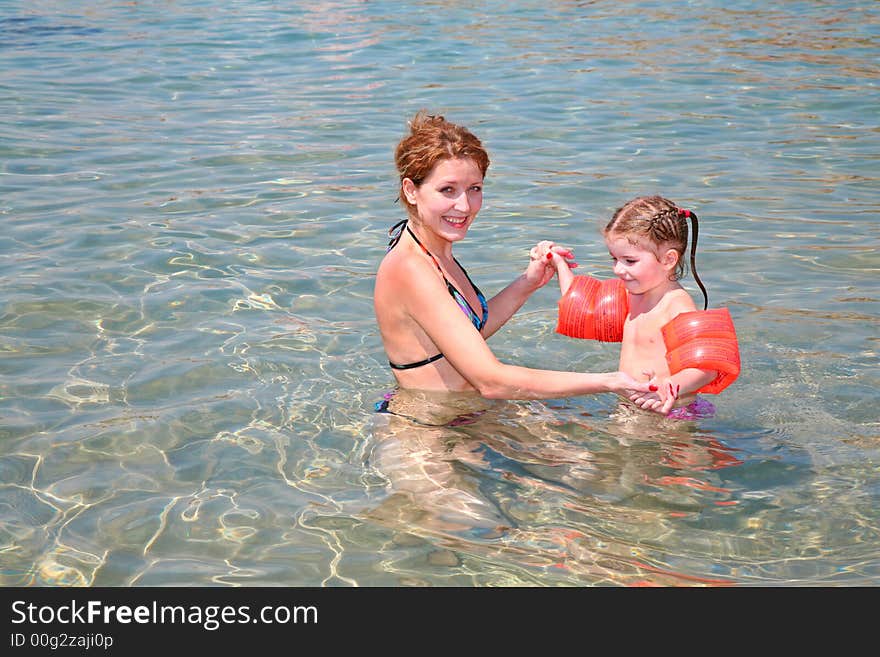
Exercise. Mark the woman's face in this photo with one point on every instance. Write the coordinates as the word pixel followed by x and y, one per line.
pixel 448 200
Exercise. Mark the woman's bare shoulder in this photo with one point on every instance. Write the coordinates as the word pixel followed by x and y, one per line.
pixel 405 272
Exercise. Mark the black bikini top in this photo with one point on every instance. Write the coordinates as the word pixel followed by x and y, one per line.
pixel 478 321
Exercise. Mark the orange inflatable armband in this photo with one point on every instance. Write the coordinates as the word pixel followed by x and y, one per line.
pixel 706 340
pixel 593 310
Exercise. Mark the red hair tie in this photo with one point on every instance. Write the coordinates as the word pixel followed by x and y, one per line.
pixel 686 213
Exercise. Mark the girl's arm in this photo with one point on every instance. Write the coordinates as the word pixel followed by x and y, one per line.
pixel 689 380
pixel 563 272
pixel 681 384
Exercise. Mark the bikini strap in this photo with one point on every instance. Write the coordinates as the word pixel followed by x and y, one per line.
pixel 449 286
pixel 410 366
pixel 395 233
pixel 430 255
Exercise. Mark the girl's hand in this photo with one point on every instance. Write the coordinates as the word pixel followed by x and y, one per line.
pixel 542 262
pixel 542 248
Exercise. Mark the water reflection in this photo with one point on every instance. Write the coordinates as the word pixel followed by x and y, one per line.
pixel 537 492
pixel 194 200
pixel 430 462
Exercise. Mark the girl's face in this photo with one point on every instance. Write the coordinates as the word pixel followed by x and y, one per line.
pixel 449 199
pixel 638 266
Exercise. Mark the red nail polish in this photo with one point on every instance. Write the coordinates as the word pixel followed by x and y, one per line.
pixel 549 256
pixel 653 388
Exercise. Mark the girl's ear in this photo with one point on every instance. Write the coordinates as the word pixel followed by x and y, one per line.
pixel 669 259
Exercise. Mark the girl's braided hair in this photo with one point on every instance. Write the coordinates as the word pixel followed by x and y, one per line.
pixel 665 225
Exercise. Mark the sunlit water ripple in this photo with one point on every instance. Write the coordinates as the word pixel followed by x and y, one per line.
pixel 195 197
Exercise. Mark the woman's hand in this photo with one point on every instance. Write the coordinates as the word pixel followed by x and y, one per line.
pixel 626 386
pixel 660 398
pixel 541 262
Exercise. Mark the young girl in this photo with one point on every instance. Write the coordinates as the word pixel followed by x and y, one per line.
pixel 663 336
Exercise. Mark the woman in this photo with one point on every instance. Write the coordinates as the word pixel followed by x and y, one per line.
pixel 434 321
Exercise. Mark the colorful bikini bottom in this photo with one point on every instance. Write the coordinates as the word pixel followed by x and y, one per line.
pixel 697 410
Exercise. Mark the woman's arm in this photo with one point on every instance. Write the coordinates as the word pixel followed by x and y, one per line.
pixel 428 303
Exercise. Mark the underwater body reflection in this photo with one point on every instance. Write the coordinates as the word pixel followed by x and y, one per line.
pixel 570 496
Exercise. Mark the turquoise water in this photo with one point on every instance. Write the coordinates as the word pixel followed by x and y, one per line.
pixel 195 197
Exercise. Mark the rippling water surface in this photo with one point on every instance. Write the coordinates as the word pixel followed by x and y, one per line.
pixel 195 197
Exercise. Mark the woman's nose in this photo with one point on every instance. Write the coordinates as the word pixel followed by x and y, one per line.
pixel 462 203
